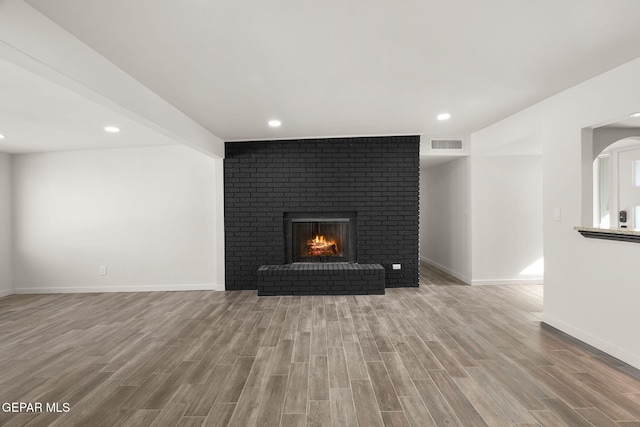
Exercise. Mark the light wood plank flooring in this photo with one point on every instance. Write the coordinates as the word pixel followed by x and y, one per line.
pixel 442 354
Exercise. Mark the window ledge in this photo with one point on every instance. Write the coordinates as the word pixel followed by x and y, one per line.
pixel 620 234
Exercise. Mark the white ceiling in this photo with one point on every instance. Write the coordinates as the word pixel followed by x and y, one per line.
pixel 345 67
pixel 37 115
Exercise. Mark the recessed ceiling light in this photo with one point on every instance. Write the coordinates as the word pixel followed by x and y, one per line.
pixel 275 123
pixel 635 114
pixel 112 129
pixel 1 136
pixel 444 116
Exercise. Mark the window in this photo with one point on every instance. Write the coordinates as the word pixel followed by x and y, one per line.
pixel 604 191
pixel 636 173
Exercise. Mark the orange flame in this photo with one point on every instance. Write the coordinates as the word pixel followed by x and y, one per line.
pixel 320 246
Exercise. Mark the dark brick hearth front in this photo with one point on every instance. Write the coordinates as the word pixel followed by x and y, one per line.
pixel 321 279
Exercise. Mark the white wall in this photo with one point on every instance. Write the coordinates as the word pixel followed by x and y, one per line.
pixel 591 286
pixel 481 216
pixel 150 215
pixel 6 276
pixel 507 219
pixel 445 239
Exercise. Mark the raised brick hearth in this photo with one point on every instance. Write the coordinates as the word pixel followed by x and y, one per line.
pixel 321 279
pixel 376 179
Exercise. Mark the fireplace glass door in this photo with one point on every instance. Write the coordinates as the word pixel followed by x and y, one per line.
pixel 320 238
pixel 319 241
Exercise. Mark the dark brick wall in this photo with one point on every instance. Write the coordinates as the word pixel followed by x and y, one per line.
pixel 376 177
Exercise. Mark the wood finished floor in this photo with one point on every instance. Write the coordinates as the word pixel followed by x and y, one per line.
pixel 438 355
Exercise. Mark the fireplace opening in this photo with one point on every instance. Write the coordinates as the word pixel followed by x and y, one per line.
pixel 319 240
pixel 320 237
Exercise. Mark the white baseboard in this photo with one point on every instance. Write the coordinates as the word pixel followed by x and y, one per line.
pixel 450 272
pixel 102 289
pixel 597 342
pixel 5 292
pixel 520 281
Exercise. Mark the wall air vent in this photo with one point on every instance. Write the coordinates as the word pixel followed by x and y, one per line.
pixel 446 144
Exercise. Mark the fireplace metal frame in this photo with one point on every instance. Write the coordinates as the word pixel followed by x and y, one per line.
pixel 350 252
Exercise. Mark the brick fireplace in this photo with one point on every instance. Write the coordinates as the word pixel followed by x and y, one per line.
pixel 322 201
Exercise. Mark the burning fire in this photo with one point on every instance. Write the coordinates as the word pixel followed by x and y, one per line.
pixel 319 246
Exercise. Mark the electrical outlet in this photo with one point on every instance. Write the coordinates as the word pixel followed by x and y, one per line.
pixel 102 271
pixel 397 266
